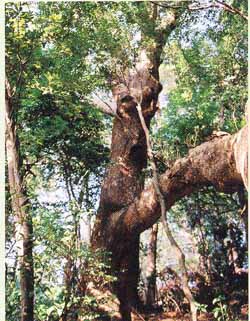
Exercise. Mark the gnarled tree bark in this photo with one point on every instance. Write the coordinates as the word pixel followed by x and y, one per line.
pixel 213 163
pixel 124 177
pixel 124 181
pixel 126 208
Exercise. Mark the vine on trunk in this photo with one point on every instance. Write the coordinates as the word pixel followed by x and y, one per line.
pixel 174 244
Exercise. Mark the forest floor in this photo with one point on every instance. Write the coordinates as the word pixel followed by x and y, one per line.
pixel 173 316
pixel 169 316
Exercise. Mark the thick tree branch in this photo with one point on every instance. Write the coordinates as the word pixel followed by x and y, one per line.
pixel 103 106
pixel 221 162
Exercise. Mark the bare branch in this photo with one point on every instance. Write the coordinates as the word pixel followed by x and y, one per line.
pixel 103 106
pixel 203 6
pixel 167 6
pixel 231 9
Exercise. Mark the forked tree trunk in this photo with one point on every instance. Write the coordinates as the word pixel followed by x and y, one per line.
pixel 126 209
pixel 124 182
pixel 21 211
pixel 124 178
pixel 214 163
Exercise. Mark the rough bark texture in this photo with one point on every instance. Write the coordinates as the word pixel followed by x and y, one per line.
pixel 126 209
pixel 124 182
pixel 213 163
pixel 124 177
pixel 241 155
pixel 20 207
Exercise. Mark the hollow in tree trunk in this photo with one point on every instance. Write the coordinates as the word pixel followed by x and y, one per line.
pixel 123 183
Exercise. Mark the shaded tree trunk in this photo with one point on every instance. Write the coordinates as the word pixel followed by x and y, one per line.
pixel 124 179
pixel 123 183
pixel 244 210
pixel 151 268
pixel 21 210
pixel 68 282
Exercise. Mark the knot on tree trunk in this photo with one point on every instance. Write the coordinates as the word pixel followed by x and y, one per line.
pixel 137 85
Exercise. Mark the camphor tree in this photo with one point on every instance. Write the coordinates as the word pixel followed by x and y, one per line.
pixel 118 229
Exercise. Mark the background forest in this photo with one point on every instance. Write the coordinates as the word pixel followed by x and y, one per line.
pixel 60 58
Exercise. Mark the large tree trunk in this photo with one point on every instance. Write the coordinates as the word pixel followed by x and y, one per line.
pixel 125 208
pixel 21 210
pixel 214 163
pixel 124 182
pixel 124 179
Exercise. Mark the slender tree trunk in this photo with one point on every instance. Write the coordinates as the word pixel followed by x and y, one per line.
pixel 86 222
pixel 244 210
pixel 151 267
pixel 21 210
pixel 68 282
